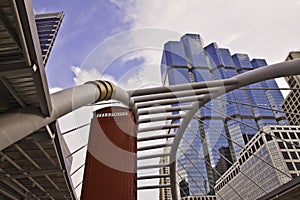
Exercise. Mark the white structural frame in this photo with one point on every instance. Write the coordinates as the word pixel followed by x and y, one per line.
pixel 248 78
pixel 19 123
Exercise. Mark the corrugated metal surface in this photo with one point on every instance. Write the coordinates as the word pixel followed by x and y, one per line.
pixel 10 48
pixel 22 75
pixel 11 56
pixel 33 168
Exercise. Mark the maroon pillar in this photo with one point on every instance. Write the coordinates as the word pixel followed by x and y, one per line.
pixel 110 170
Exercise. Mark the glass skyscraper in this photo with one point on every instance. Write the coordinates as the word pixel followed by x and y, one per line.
pixel 224 125
pixel 291 103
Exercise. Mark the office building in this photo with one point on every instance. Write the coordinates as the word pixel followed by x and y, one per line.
pixel 205 197
pixel 293 55
pixel 291 104
pixel 184 188
pixel 164 193
pixel 48 25
pixel 269 160
pixel 221 128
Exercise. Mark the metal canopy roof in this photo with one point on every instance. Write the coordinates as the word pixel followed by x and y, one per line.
pixel 22 75
pixel 33 167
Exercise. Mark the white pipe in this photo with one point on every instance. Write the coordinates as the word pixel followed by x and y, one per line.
pixel 19 123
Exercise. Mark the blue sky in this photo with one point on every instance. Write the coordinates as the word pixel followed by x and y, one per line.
pixel 86 23
pixel 264 29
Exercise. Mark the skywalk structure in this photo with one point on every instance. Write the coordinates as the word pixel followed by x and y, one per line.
pixel 150 101
pixel 32 162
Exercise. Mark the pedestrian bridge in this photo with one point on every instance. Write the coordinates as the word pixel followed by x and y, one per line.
pixel 33 156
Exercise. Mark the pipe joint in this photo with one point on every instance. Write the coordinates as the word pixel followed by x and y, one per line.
pixel 106 89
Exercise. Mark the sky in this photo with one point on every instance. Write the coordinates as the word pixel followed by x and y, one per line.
pixel 122 40
pixel 262 29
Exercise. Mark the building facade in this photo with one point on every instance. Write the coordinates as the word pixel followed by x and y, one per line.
pixel 291 104
pixel 221 128
pixel 205 197
pixel 269 160
pixel 164 193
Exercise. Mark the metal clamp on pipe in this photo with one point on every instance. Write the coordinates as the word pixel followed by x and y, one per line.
pixel 106 89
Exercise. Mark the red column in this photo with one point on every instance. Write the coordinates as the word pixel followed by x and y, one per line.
pixel 110 170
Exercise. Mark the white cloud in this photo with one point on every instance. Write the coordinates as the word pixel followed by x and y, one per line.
pixel 82 76
pixel 250 28
pixel 281 82
pixel 41 11
pixel 139 77
pixel 145 44
pixel 232 38
pixel 86 16
pixel 255 27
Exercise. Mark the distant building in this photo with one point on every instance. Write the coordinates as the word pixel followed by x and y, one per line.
pixel 270 159
pixel 293 55
pixel 224 162
pixel 184 188
pixel 48 25
pixel 205 197
pixel 164 193
pixel 291 103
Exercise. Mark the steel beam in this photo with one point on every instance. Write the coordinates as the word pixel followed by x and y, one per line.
pixel 8 194
pixel 12 91
pixel 36 173
pixel 174 94
pixel 168 101
pixel 156 128
pixel 156 146
pixel 8 27
pixel 161 118
pixel 155 110
pixel 153 176
pixel 149 187
pixel 153 166
pixel 183 87
pixel 155 137
pixel 157 155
